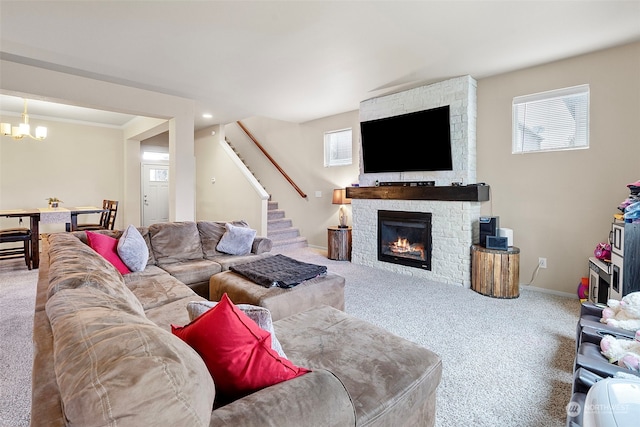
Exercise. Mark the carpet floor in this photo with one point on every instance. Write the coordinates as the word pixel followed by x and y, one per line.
pixel 17 302
pixel 506 362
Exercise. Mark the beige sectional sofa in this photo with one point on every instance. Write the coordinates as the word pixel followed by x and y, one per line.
pixel 104 353
pixel 187 251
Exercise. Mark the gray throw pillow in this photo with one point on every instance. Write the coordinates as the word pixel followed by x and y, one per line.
pixel 260 315
pixel 236 240
pixel 132 249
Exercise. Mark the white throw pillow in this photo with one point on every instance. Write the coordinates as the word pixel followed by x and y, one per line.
pixel 236 240
pixel 132 249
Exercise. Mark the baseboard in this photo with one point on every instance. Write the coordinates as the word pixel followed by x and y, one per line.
pixel 323 250
pixel 549 291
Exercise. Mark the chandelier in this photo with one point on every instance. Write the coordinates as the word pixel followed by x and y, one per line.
pixel 23 129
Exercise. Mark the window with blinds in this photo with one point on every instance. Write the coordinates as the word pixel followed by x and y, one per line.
pixel 338 147
pixel 551 121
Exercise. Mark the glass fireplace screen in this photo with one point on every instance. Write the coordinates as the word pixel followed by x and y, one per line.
pixel 405 238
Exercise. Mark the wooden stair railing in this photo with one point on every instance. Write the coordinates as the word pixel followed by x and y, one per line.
pixel 284 174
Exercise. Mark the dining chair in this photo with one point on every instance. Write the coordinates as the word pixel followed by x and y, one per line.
pixel 14 235
pixel 107 218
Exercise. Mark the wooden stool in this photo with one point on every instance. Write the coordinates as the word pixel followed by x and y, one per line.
pixel 495 273
pixel 11 235
pixel 339 243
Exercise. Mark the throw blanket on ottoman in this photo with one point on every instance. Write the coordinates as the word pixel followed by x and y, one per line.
pixel 279 270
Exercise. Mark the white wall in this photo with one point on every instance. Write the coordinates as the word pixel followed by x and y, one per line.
pixel 82 165
pixel 299 150
pixel 561 204
pixel 28 81
pixel 231 197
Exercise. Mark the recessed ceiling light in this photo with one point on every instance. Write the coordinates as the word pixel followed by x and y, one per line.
pixel 207 116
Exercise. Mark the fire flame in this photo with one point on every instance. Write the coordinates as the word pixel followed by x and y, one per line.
pixel 401 245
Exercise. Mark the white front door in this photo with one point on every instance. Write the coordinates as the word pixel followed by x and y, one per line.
pixel 155 194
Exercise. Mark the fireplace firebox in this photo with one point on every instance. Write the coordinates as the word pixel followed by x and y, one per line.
pixel 405 238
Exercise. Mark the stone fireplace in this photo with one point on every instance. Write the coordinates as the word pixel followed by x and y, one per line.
pixel 452 220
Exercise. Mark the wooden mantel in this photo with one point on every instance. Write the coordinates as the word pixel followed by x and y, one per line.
pixel 465 193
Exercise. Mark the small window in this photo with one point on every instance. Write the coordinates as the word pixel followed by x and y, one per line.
pixel 155 156
pixel 551 121
pixel 338 147
pixel 159 175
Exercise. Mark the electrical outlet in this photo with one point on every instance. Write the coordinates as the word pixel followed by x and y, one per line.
pixel 542 262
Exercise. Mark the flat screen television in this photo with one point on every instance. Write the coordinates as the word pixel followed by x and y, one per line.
pixel 419 141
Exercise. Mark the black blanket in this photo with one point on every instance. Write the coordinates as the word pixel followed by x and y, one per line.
pixel 279 270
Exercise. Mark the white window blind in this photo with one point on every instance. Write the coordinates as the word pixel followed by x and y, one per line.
pixel 550 121
pixel 338 147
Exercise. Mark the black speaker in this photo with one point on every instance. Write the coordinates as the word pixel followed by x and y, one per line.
pixel 488 227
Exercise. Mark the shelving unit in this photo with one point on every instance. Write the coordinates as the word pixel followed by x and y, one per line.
pixel 620 276
pixel 625 259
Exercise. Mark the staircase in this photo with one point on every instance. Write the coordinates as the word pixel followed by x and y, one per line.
pixel 280 230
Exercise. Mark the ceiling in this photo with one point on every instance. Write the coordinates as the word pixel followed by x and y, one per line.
pixel 296 60
pixel 38 109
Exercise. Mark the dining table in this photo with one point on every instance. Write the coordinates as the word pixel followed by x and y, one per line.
pixel 68 216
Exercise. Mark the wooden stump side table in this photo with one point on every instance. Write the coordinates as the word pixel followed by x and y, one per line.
pixel 339 244
pixel 495 273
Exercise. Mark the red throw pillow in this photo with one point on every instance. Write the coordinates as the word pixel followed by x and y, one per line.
pixel 107 246
pixel 236 350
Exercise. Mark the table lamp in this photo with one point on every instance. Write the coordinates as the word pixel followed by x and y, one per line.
pixel 340 198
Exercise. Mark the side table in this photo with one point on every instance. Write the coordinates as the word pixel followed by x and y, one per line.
pixel 495 273
pixel 339 244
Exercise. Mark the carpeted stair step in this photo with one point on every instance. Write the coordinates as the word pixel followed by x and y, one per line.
pixel 281 231
pixel 273 214
pixel 297 242
pixel 284 236
pixel 278 224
